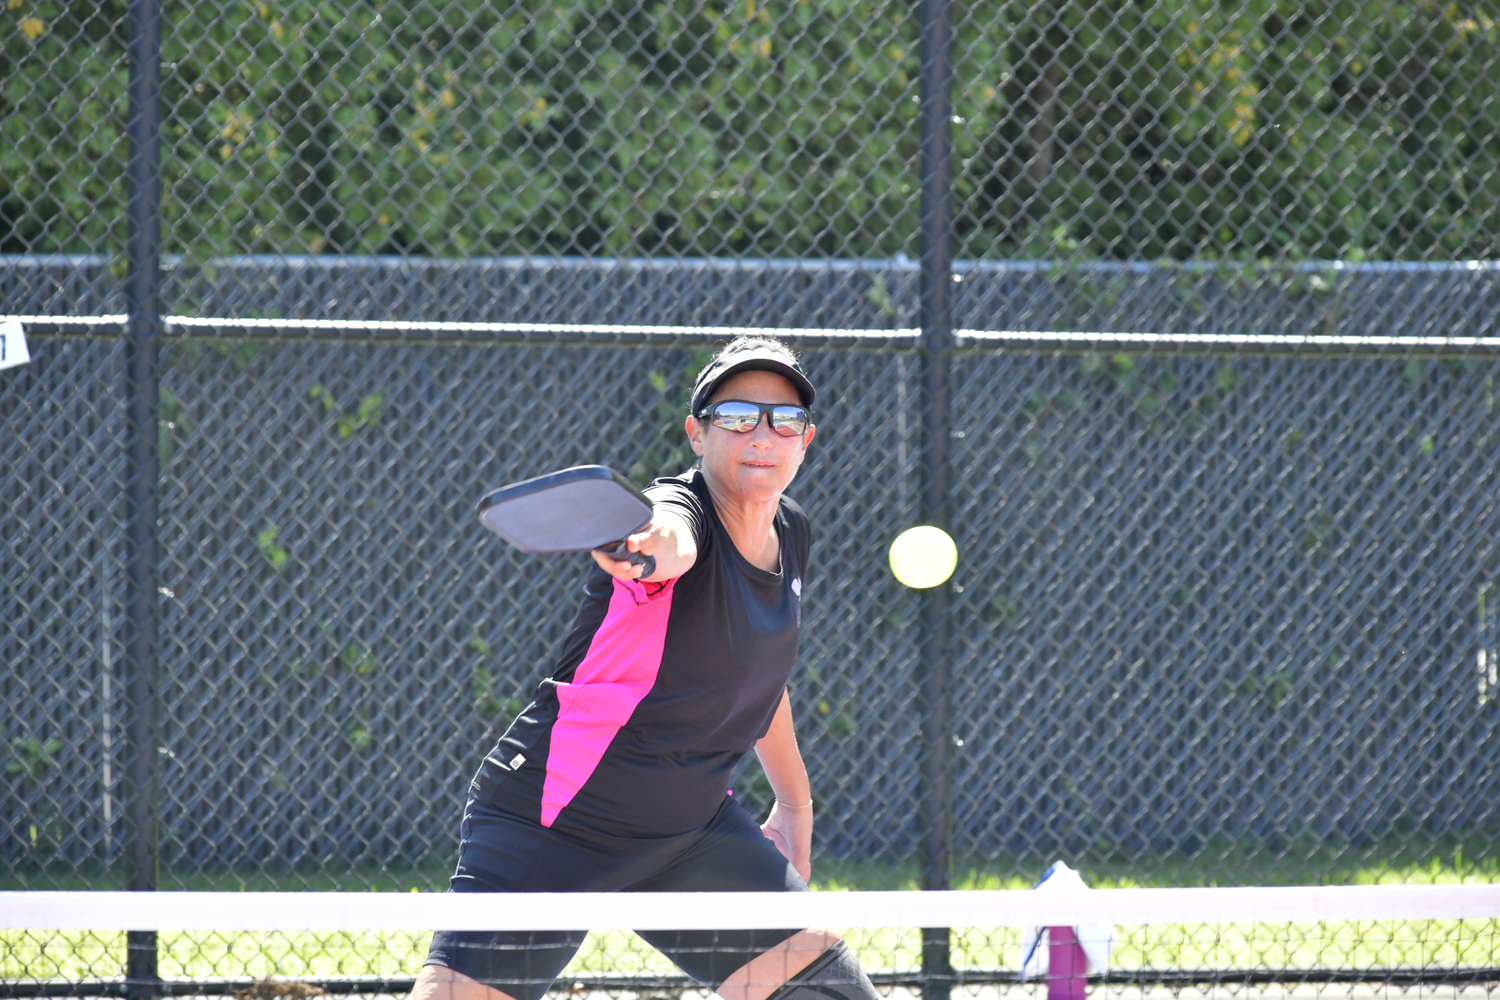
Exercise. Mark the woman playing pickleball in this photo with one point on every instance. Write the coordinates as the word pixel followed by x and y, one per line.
pixel 616 776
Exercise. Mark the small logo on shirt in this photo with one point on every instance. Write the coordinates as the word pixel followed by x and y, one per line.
pixel 797 585
pixel 516 762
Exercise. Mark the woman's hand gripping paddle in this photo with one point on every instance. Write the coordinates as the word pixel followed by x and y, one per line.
pixel 587 507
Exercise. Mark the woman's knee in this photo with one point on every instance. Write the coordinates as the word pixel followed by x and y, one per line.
pixel 438 982
pixel 811 965
pixel 835 973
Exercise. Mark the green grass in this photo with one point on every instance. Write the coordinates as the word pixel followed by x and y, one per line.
pixel 1405 860
pixel 43 954
pixel 1431 944
pixel 1395 862
pixel 430 875
pixel 199 955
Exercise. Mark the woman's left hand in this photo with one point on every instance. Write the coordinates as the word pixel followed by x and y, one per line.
pixel 790 829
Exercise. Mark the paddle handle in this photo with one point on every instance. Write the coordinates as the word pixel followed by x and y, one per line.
pixel 619 551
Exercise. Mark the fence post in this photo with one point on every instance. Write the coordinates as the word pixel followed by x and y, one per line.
pixel 143 324
pixel 937 333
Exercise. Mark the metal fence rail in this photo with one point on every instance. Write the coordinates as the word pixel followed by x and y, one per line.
pixel 1305 299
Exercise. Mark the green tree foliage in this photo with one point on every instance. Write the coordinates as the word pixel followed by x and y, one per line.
pixel 62 118
pixel 1194 128
pixel 1152 129
pixel 472 127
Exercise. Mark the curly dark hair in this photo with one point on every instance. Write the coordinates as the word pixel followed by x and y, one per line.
pixel 749 342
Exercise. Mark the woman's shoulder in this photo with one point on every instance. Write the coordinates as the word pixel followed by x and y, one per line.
pixel 686 487
pixel 682 480
pixel 793 509
pixel 687 497
pixel 797 520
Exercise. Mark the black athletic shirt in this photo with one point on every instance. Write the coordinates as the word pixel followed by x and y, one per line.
pixel 660 688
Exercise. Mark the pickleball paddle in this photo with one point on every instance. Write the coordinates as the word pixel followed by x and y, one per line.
pixel 587 507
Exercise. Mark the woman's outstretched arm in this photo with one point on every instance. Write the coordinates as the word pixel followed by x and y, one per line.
pixel 790 824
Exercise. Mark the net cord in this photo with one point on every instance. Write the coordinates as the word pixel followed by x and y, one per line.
pixel 374 911
pixel 1031 341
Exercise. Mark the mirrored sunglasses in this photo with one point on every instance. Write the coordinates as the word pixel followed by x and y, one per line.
pixel 742 416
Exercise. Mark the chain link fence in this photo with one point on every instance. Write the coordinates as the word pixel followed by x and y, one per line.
pixel 1217 619
pixel 1179 130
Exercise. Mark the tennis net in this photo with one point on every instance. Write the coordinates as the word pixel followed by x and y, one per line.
pixel 1130 942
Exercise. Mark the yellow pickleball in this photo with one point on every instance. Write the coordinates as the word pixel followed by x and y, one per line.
pixel 923 556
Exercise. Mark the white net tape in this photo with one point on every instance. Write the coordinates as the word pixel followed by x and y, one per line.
pixel 339 911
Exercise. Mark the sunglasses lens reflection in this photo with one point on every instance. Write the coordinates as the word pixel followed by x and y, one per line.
pixel 742 418
pixel 738 417
pixel 789 421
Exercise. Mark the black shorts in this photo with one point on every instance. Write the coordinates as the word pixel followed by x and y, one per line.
pixel 500 852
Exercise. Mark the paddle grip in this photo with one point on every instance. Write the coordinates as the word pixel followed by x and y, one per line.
pixel 624 554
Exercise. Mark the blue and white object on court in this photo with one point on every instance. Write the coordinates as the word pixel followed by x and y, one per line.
pixel 1097 940
pixel 12 343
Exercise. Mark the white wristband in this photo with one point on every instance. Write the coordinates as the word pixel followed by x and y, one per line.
pixel 788 805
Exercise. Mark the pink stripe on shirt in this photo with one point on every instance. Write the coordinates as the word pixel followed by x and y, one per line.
pixel 618 671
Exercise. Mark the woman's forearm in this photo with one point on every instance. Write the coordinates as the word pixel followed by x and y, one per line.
pixel 782 760
pixel 670 541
